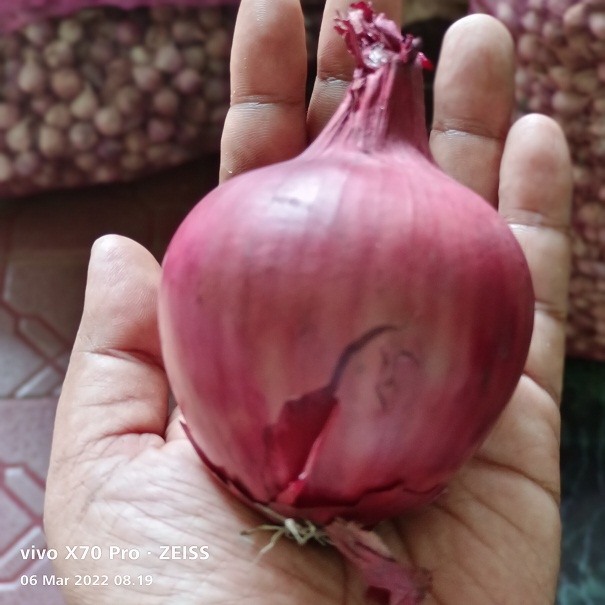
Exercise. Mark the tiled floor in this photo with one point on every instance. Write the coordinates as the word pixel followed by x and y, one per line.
pixel 44 248
pixel 25 437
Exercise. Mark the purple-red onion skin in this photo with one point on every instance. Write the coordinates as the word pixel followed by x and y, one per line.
pixel 342 330
pixel 276 272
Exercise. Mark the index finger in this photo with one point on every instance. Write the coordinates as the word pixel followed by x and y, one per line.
pixel 266 120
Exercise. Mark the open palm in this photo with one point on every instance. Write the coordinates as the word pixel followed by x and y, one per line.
pixel 124 475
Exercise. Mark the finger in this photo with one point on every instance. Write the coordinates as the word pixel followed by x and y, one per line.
pixel 266 121
pixel 334 63
pixel 115 384
pixel 535 199
pixel 474 95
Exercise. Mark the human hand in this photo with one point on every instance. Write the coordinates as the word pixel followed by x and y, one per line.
pixel 124 474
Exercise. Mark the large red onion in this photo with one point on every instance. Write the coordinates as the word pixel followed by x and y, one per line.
pixel 342 330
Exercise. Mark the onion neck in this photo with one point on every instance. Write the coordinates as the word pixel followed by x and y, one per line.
pixel 384 106
pixel 383 110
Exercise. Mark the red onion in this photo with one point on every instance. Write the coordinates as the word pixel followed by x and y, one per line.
pixel 343 329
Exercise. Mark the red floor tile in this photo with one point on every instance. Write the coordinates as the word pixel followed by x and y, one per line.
pixel 25 439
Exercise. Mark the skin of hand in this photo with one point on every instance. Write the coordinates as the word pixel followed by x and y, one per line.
pixel 122 472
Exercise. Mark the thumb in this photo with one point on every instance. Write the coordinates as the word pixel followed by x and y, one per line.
pixel 115 384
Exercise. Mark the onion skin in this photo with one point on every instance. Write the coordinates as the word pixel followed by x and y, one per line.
pixel 342 330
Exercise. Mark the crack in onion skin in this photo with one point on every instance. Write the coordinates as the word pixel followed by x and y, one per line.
pixel 403 584
pixel 276 272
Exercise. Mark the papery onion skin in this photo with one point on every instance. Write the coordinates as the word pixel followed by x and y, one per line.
pixel 342 330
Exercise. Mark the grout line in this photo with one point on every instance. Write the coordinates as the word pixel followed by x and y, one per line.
pixel 46 360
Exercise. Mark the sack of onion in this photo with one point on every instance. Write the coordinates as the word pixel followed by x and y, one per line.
pixel 561 73
pixel 97 91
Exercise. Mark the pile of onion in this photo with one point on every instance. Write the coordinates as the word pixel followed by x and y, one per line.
pixel 342 330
